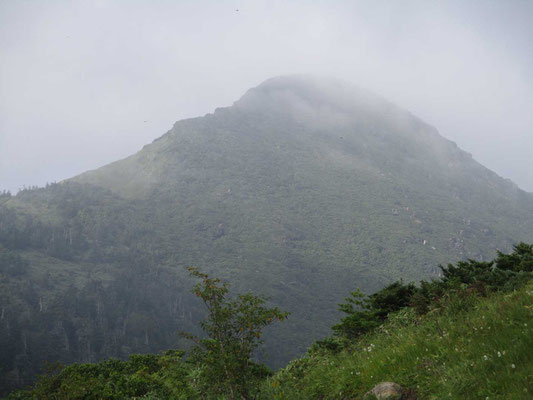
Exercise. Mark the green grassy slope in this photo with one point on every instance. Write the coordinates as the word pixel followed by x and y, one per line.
pixel 476 348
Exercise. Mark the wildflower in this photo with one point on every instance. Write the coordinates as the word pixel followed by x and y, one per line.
pixel 513 366
pixel 499 354
pixel 485 358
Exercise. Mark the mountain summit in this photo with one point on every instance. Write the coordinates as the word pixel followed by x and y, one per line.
pixel 300 92
pixel 303 190
pixel 364 124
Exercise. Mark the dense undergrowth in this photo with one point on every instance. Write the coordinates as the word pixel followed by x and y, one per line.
pixel 467 335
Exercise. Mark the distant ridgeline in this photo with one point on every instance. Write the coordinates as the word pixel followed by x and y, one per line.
pixel 302 190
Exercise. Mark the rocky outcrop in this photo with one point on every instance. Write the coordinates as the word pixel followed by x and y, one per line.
pixel 390 391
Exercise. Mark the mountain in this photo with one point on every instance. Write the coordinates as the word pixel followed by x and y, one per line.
pixel 303 190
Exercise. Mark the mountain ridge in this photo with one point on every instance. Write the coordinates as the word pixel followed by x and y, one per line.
pixel 300 91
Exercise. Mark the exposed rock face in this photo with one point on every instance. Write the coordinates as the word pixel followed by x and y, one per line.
pixel 386 391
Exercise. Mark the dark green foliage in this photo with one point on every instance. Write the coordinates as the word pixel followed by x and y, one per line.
pixel 520 260
pixel 367 313
pixel 219 365
pixel 234 328
pixel 331 344
pixel 391 298
pixel 12 264
pixel 162 376
pixel 73 310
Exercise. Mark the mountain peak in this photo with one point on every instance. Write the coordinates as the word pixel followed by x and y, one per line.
pixel 293 92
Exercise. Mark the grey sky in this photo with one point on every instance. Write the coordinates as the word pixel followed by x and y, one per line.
pixel 83 83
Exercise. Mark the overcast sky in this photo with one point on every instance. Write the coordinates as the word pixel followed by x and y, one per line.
pixel 83 83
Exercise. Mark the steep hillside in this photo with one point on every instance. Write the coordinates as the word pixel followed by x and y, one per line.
pixel 467 335
pixel 478 348
pixel 302 190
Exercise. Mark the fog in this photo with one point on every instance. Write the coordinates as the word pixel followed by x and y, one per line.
pixel 85 83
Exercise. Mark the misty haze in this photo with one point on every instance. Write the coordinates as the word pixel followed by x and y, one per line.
pixel 267 200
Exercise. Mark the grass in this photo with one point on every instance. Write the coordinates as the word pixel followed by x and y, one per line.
pixel 474 348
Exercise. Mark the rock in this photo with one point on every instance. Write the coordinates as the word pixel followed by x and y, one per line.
pixel 386 391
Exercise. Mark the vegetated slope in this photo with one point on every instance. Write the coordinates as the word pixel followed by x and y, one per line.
pixel 465 345
pixel 475 354
pixel 301 190
pixel 464 336
pixel 482 352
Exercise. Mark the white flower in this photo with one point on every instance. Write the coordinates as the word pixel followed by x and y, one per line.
pixel 499 354
pixel 485 358
pixel 513 366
